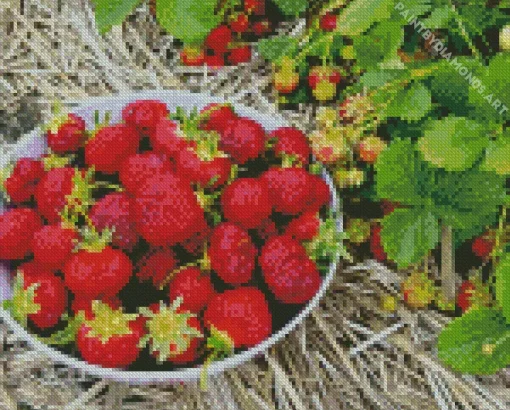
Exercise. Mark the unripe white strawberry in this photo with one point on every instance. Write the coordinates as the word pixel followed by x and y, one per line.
pixel 286 78
pixel 323 81
pixel 370 148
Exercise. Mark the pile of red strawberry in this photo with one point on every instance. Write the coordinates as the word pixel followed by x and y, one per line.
pixel 228 44
pixel 169 238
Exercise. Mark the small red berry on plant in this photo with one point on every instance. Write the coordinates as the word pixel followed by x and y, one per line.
pixel 144 115
pixel 219 39
pixel 328 22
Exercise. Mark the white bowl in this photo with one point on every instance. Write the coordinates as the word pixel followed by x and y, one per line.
pixel 32 145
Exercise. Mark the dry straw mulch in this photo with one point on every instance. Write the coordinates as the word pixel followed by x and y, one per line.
pixel 347 355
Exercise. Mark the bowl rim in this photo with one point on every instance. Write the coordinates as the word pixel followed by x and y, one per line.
pixel 189 373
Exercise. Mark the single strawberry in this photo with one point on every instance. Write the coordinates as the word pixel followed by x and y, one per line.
pixel 219 39
pixel 375 244
pixel 192 56
pixel 156 265
pixel 328 22
pixel 291 142
pixel 144 115
pixel 20 184
pixel 331 145
pixel 369 149
pixel 482 246
pixel 261 27
pixel 110 338
pixel 239 315
pixel 215 173
pixel 246 202
pixel 418 290
pixel 215 117
pixel 238 55
pixel 293 280
pixel 232 253
pixel 194 287
pixel 16 229
pixel 114 211
pixel 473 293
pixel 137 168
pixel 174 335
pixel 323 82
pixel 256 7
pixel 42 298
pixel 285 77
pixel 207 170
pixel 320 194
pixel 243 139
pixel 166 138
pixel 289 189
pixel 110 146
pixel 215 60
pixel 97 271
pixel 67 135
pixel 280 248
pixel 53 244
pixel 358 230
pixel 85 304
pixel 240 23
pixel 305 227
pixel 167 211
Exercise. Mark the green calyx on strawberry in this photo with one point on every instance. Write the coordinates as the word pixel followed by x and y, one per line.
pixel 418 290
pixel 23 302
pixel 358 230
pixel 94 240
pixel 53 160
pixel 349 178
pixel 323 81
pixel 327 243
pixel 285 77
pixel 169 333
pixel 107 322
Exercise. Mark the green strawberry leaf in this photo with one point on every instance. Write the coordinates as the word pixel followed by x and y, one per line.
pixel 274 48
pixel 477 342
pixel 439 18
pixel 188 20
pixel 453 143
pixel 502 274
pixel 355 19
pixel 408 235
pixel 497 155
pixel 411 104
pixel 401 176
pixel 112 12
pixel 291 7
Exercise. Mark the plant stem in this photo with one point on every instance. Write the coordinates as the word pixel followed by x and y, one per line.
pixel 447 264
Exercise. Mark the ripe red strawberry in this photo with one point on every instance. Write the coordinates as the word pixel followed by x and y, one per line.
pixel 466 291
pixel 293 280
pixel 53 244
pixel 85 304
pixel 215 60
pixel 97 272
pixel 156 266
pixel 174 334
pixel 137 168
pixel 42 298
pixel 257 7
pixel 20 185
pixel 240 23
pixel 16 229
pixel 375 244
pixel 238 55
pixel 482 246
pixel 370 148
pixel 114 211
pixel 219 39
pixel 192 56
pixel 33 269
pixel 215 117
pixel 246 202
pixel 69 135
pixel 291 142
pixel 110 338
pixel 232 253
pixel 243 139
pixel 289 189
pixel 193 286
pixel 328 22
pixel 305 227
pixel 167 211
pixel 144 115
pixel 278 249
pixel 473 293
pixel 51 192
pixel 165 138
pixel 110 146
pixel 320 193
pixel 242 315
pixel 215 173
pixel 261 27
